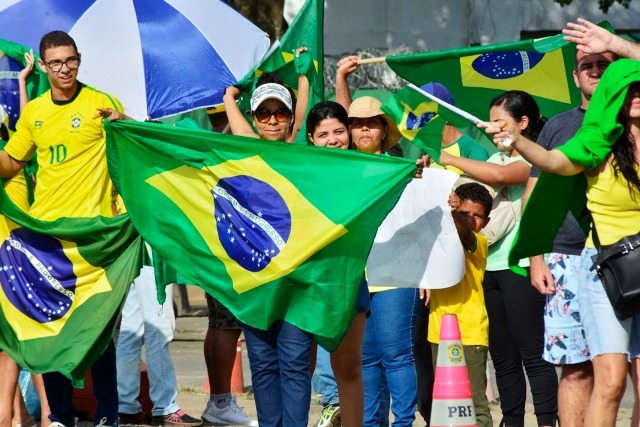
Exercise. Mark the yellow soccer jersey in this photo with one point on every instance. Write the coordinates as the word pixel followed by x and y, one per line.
pixel 465 300
pixel 73 179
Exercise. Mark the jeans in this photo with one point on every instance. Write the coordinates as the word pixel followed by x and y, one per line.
pixel 323 380
pixel 280 373
pixel 60 390
pixel 516 339
pixel 144 321
pixel 424 364
pixel 387 352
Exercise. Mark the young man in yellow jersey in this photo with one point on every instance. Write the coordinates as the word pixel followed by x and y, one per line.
pixel 470 206
pixel 63 127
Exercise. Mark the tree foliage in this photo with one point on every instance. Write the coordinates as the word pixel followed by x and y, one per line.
pixel 604 5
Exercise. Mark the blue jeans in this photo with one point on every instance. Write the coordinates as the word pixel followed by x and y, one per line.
pixel 280 373
pixel 323 380
pixel 146 321
pixel 387 353
pixel 105 387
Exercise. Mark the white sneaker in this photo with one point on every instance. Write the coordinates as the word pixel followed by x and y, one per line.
pixel 57 424
pixel 232 414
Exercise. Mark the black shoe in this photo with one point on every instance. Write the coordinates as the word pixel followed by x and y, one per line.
pixel 133 419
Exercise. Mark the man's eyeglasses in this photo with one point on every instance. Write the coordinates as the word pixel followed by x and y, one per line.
pixel 263 115
pixel 56 65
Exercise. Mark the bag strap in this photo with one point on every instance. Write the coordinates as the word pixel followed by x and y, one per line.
pixel 594 234
pixel 621 247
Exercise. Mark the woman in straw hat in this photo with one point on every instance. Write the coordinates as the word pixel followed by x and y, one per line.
pixel 388 366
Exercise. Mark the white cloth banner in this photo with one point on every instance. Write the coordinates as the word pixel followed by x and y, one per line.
pixel 417 245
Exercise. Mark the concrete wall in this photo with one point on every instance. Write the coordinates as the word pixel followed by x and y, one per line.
pixel 421 25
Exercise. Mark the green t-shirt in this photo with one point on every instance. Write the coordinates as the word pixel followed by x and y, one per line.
pixel 499 251
pixel 466 147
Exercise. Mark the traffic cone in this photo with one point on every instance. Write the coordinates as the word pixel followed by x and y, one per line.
pixel 237 376
pixel 452 398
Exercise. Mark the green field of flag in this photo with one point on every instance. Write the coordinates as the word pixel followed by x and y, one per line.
pixel 272 230
pixel 62 285
pixel 475 75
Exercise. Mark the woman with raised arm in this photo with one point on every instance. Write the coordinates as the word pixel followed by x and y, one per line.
pixel 606 151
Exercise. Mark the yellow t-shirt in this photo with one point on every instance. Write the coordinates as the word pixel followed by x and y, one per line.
pixel 465 300
pixel 73 179
pixel 614 212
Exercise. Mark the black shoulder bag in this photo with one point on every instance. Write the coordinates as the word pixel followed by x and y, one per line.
pixel 618 266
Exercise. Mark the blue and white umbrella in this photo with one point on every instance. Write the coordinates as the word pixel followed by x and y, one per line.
pixel 159 57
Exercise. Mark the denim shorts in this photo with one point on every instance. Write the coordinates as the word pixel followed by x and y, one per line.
pixel 565 341
pixel 605 332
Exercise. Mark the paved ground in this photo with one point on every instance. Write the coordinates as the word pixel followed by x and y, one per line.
pixel 186 351
pixel 191 372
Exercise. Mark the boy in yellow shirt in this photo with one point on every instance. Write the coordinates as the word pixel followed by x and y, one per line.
pixel 470 206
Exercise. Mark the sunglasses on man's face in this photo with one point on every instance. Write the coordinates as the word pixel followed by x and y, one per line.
pixel 263 115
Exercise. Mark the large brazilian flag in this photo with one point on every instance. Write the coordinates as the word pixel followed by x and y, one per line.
pixel 475 75
pixel 272 230
pixel 62 284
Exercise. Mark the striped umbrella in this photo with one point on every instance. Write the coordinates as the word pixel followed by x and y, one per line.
pixel 159 57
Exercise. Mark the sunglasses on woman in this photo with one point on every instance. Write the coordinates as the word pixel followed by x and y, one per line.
pixel 263 115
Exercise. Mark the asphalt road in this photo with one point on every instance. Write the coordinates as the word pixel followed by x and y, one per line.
pixel 186 351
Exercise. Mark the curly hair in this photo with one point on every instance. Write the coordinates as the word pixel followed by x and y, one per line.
pixel 476 193
pixel 269 77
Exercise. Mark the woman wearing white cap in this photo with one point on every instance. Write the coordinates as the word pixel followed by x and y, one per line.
pixel 388 339
pixel 272 109
pixel 280 356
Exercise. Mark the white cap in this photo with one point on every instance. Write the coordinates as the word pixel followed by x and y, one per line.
pixel 270 91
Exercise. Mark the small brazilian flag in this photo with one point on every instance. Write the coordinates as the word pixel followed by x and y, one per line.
pixel 306 30
pixel 272 230
pixel 11 62
pixel 475 75
pixel 62 285
pixel 420 120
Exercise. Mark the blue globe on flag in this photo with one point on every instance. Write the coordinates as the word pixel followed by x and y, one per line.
pixel 506 65
pixel 36 275
pixel 252 220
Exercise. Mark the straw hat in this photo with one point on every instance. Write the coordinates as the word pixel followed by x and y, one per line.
pixel 368 106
